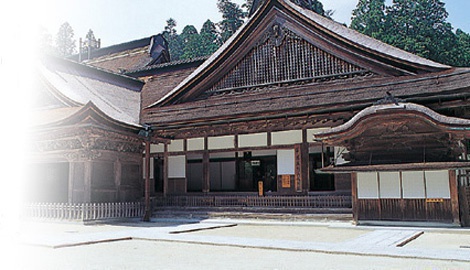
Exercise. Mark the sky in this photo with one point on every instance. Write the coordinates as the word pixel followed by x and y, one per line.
pixel 118 21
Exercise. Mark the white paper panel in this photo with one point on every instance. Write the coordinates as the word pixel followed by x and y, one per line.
pixel 253 140
pixel 195 144
pixel 437 184
pixel 177 166
pixel 286 137
pixel 152 160
pixel 389 183
pixel 367 185
pixel 413 185
pixel 176 146
pixel 157 148
pixel 224 142
pixel 285 162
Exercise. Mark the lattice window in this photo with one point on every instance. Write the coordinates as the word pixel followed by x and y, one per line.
pixel 284 57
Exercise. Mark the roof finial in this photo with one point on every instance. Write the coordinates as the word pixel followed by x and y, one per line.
pixel 389 99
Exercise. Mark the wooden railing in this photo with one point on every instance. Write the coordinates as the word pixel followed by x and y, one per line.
pixel 83 211
pixel 324 201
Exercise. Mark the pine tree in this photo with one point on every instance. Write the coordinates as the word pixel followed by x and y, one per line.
pixel 420 27
pixel 369 18
pixel 209 38
pixel 191 43
pixel 462 50
pixel 174 42
pixel 64 40
pixel 313 5
pixel 232 18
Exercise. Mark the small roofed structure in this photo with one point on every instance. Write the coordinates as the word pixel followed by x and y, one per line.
pixel 406 161
pixel 85 146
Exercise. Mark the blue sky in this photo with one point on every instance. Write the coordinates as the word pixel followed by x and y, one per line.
pixel 117 21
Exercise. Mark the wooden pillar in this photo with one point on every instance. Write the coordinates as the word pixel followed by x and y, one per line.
pixel 165 169
pixel 205 172
pixel 87 181
pixel 354 197
pixel 304 162
pixel 70 196
pixel 147 181
pixel 454 196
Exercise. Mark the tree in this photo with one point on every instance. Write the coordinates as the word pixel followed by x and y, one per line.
pixel 232 18
pixel 191 42
pixel 462 50
pixel 90 42
pixel 420 27
pixel 174 42
pixel 64 40
pixel 209 38
pixel 369 18
pixel 313 5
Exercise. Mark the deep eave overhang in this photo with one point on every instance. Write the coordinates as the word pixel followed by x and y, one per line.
pixel 88 111
pixel 385 112
pixel 397 167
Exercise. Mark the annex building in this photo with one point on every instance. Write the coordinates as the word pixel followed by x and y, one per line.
pixel 292 105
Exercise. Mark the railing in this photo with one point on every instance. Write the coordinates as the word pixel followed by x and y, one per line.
pixel 322 201
pixel 83 211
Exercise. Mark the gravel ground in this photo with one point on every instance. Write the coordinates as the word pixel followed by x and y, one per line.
pixel 145 254
pixel 136 254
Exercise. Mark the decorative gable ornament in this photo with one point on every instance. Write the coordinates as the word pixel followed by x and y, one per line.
pixel 283 57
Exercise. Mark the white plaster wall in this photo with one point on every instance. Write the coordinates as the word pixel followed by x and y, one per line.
pixel 286 137
pixel 263 153
pixel 413 185
pixel 157 148
pixel 176 146
pixel 389 183
pixel 367 185
pixel 195 144
pixel 224 142
pixel 177 166
pixel 312 132
pixel 253 140
pixel 285 161
pixel 223 155
pixel 437 184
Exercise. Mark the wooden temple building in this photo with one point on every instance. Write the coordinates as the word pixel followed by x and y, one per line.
pixel 293 104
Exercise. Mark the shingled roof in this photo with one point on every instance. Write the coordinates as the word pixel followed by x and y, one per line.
pixel 344 43
pixel 76 85
pixel 129 56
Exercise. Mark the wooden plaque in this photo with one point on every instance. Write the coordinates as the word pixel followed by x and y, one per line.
pixel 285 181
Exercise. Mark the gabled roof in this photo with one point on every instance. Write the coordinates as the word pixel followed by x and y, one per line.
pixel 399 132
pixel 128 56
pixel 75 85
pixel 274 20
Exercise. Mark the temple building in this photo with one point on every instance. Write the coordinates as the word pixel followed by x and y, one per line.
pixel 292 105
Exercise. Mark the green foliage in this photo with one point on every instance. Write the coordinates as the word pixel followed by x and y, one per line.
pixel 174 43
pixel 64 40
pixel 210 41
pixel 313 5
pixel 369 18
pixel 417 26
pixel 232 18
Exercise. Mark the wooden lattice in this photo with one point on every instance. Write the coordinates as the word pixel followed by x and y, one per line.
pixel 284 57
